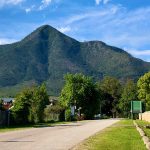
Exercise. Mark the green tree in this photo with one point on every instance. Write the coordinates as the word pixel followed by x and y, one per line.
pixel 38 103
pixel 79 90
pixel 21 106
pixel 129 94
pixel 29 105
pixel 111 88
pixel 54 112
pixel 143 85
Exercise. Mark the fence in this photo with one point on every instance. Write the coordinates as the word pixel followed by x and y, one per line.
pixel 4 120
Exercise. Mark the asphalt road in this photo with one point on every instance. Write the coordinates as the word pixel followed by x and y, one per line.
pixel 60 137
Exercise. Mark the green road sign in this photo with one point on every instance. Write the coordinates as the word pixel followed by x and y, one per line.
pixel 136 107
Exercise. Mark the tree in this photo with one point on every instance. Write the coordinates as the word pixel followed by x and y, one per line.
pixel 143 85
pixel 79 90
pixel 39 101
pixel 129 94
pixel 54 112
pixel 29 105
pixel 21 106
pixel 111 88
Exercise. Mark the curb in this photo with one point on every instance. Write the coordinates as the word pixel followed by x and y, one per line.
pixel 145 139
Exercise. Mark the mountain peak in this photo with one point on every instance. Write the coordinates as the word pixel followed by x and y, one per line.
pixel 47 54
pixel 40 33
pixel 46 27
pixel 44 32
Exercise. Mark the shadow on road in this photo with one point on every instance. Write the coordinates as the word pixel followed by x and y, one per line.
pixel 57 125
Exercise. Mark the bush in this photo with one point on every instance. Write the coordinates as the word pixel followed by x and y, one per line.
pixel 29 105
pixel 54 112
pixel 104 116
pixel 68 115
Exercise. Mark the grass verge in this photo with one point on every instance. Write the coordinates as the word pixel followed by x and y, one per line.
pixel 121 136
pixel 22 127
pixel 142 124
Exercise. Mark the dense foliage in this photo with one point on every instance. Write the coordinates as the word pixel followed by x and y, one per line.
pixel 111 88
pixel 29 105
pixel 54 112
pixel 46 55
pixel 81 91
pixel 129 94
pixel 144 89
pixel 107 98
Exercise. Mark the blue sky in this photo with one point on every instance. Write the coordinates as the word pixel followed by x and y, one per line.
pixel 121 23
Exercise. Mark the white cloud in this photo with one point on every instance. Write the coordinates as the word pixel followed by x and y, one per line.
pixel 142 54
pixel 126 38
pixel 15 2
pixel 10 2
pixel 75 18
pixel 98 2
pixel 103 1
pixel 139 52
pixel 6 41
pixel 27 10
pixel 44 4
pixel 114 25
pixel 92 14
pixel 64 29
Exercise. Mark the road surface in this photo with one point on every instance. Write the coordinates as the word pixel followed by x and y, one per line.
pixel 60 137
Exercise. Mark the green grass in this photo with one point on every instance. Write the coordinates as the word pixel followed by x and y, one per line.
pixel 14 128
pixel 142 125
pixel 121 136
pixel 23 127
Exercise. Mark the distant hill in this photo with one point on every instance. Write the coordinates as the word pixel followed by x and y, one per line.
pixel 47 54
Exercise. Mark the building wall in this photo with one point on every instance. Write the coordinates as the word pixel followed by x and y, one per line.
pixel 145 116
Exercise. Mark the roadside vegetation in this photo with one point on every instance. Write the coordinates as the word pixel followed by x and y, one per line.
pixel 121 136
pixel 80 98
pixel 145 126
pixel 14 128
pixel 29 126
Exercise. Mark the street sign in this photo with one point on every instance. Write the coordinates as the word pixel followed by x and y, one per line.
pixel 136 107
pixel 72 110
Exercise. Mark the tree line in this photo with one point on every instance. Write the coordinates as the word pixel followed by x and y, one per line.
pixel 108 97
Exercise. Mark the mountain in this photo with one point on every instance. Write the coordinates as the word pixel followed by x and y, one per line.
pixel 47 54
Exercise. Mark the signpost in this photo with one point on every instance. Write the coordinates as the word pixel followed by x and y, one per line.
pixel 136 107
pixel 72 110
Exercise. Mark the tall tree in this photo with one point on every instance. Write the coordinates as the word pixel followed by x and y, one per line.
pixel 21 106
pixel 143 85
pixel 111 88
pixel 39 101
pixel 129 94
pixel 29 105
pixel 80 90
